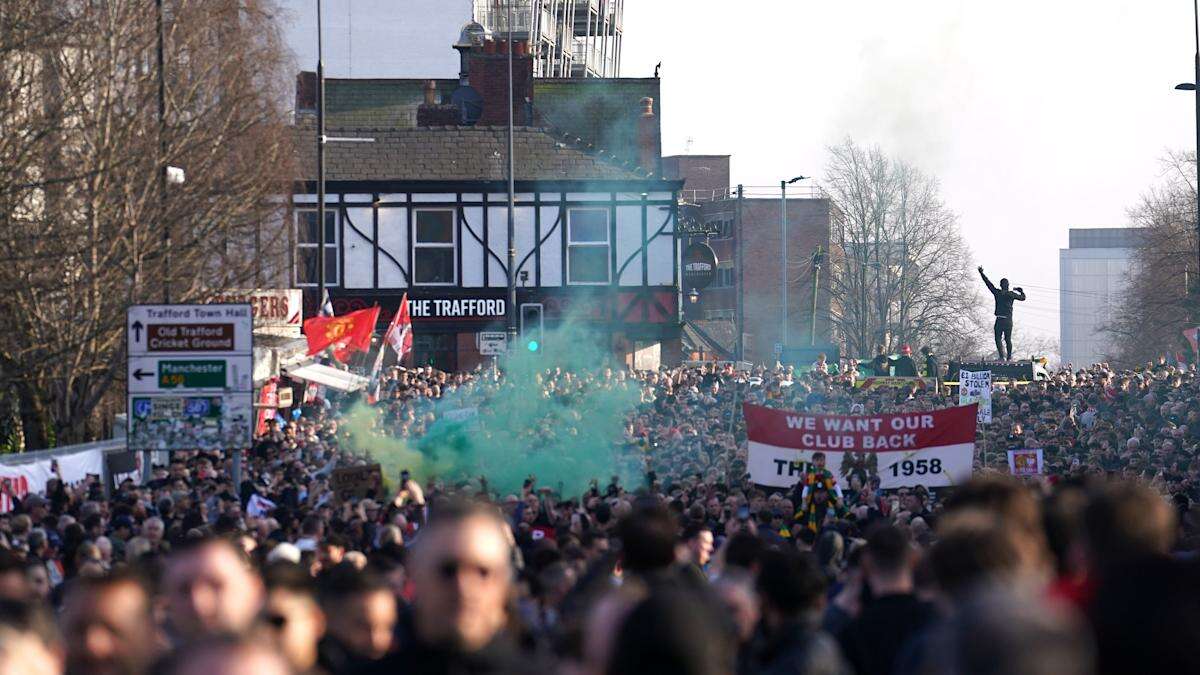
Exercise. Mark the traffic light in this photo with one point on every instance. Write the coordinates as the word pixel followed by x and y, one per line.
pixel 531 326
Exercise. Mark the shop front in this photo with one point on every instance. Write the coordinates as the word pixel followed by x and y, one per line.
pixel 640 327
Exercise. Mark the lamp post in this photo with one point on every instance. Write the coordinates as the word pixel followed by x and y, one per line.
pixel 783 274
pixel 512 235
pixel 1194 86
pixel 320 165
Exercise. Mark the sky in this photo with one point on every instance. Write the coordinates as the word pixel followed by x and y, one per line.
pixel 1035 115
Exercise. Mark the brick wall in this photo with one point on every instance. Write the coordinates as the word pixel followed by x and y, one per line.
pixel 808 227
pixel 489 76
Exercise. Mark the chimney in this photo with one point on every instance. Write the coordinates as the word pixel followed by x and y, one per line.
pixel 433 114
pixel 306 91
pixel 647 137
pixel 489 76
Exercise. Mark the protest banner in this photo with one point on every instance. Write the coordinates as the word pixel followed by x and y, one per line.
pixel 880 381
pixel 976 387
pixel 356 481
pixel 934 448
pixel 1026 462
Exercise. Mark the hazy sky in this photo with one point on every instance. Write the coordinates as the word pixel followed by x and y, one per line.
pixel 1036 115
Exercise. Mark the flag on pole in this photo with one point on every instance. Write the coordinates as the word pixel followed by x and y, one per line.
pixel 399 336
pixel 344 334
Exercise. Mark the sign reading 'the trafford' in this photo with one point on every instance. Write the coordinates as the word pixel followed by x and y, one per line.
pixel 457 308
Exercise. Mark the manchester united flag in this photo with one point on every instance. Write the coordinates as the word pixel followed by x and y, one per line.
pixel 344 334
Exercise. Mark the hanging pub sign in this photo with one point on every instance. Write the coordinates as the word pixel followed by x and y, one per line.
pixel 699 266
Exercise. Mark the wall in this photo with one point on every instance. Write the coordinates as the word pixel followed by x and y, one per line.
pixel 808 227
pixel 701 173
pixel 539 217
pixel 376 38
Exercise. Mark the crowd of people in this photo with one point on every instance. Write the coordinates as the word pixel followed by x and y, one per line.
pixel 689 568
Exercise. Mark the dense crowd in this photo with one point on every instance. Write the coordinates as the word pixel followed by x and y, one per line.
pixel 689 568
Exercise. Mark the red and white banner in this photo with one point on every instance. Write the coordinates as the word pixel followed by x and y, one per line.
pixel 934 449
pixel 1025 462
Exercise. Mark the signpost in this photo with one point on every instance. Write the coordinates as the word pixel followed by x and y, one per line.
pixel 493 343
pixel 189 378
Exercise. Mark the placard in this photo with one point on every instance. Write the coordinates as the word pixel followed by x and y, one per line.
pixel 976 387
pixel 356 481
pixel 934 448
pixel 1025 462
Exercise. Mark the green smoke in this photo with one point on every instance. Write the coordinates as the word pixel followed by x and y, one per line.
pixel 564 431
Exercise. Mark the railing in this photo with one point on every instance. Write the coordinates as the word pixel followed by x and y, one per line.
pixel 753 192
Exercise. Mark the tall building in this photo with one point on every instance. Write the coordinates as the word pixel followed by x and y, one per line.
pixel 1093 272
pixel 407 38
pixel 746 236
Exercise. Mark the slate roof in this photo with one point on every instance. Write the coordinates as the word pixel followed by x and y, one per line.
pixel 600 111
pixel 451 154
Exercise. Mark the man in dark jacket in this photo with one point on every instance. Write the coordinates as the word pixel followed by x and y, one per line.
pixel 873 641
pixel 792 591
pixel 1004 313
pixel 462 572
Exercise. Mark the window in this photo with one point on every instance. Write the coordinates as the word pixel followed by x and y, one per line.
pixel 587 247
pixel 308 246
pixel 724 278
pixel 434 258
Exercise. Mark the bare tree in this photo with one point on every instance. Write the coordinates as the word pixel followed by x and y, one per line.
pixel 901 272
pixel 1160 301
pixel 85 225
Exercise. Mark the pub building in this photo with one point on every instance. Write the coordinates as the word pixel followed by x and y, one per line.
pixel 419 206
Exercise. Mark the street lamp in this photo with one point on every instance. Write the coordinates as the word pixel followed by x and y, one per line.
pixel 783 314
pixel 1195 87
pixel 694 296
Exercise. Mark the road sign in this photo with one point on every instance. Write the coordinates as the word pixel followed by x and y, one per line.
pixel 493 343
pixel 151 374
pixel 778 348
pixel 190 379
pixel 182 329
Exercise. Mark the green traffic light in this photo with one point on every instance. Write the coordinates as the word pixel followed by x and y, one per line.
pixel 532 345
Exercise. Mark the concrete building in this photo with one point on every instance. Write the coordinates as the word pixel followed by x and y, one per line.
pixel 1093 271
pixel 407 38
pixel 750 295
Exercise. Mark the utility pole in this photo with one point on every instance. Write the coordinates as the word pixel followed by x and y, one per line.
pixel 512 236
pixel 1194 87
pixel 320 164
pixel 739 342
pixel 817 258
pixel 165 223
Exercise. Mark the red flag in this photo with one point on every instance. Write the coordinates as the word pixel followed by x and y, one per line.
pixel 344 334
pixel 399 334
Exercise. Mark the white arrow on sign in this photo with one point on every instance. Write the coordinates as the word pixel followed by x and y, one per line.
pixel 189 374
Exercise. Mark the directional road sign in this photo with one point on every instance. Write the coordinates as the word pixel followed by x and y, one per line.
pixel 493 343
pixel 190 378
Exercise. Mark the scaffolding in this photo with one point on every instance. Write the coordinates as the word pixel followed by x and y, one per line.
pixel 567 38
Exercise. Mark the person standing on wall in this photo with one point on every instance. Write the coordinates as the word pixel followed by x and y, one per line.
pixel 1004 313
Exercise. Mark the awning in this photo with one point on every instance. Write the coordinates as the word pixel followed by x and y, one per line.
pixel 330 377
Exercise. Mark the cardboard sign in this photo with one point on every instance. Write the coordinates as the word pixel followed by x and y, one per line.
pixel 976 387
pixel 934 448
pixel 1027 462
pixel 355 481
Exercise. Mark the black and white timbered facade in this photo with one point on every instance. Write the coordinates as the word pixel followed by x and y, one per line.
pixel 603 252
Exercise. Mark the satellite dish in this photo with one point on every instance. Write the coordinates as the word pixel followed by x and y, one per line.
pixel 469 104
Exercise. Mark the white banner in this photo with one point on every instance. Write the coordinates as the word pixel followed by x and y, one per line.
pixel 1026 462
pixel 976 387
pixel 934 448
pixel 74 468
